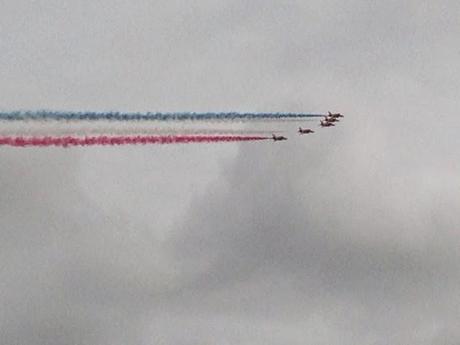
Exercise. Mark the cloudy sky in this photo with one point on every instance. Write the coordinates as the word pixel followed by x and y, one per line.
pixel 348 236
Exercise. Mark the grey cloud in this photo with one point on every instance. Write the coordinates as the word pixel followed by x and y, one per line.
pixel 347 236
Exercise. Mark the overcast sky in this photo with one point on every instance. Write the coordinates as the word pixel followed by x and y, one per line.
pixel 347 236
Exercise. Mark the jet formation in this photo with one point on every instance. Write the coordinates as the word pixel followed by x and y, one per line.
pixel 329 121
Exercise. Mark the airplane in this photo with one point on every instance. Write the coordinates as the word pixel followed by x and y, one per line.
pixel 278 137
pixel 336 115
pixel 326 124
pixel 305 130
pixel 331 119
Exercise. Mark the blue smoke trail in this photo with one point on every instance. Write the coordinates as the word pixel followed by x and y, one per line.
pixel 118 116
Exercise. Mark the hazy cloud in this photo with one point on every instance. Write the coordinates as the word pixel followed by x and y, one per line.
pixel 347 236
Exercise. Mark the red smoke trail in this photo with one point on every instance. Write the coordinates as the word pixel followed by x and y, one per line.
pixel 121 140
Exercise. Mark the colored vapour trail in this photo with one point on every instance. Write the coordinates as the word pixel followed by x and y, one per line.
pixel 117 116
pixel 67 141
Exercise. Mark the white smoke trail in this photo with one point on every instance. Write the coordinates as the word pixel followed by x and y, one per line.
pixel 43 127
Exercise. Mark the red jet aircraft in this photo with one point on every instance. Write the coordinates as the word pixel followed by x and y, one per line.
pixel 326 124
pixel 331 119
pixel 305 130
pixel 278 137
pixel 336 115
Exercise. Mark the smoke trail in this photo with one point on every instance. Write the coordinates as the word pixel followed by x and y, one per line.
pixel 121 140
pixel 104 127
pixel 181 116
